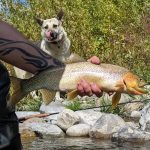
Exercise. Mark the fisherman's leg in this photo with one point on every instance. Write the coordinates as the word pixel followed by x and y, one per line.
pixel 9 130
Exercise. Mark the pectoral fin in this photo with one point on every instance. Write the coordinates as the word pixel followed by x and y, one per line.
pixel 47 96
pixel 115 99
pixel 71 95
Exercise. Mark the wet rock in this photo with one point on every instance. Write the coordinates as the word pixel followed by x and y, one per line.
pixel 52 107
pixel 136 114
pixel 78 130
pixel 45 129
pixel 130 134
pixel 34 120
pixel 67 118
pixel 145 118
pixel 26 133
pixel 88 116
pixel 105 126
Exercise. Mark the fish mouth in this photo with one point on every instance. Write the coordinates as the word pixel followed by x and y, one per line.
pixel 142 90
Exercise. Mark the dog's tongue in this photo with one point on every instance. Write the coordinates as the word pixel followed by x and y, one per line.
pixel 48 34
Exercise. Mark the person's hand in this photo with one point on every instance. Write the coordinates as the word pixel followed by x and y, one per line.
pixel 94 60
pixel 85 88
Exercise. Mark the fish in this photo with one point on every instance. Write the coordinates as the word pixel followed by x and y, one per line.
pixel 109 77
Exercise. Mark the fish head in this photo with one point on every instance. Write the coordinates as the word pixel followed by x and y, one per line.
pixel 134 84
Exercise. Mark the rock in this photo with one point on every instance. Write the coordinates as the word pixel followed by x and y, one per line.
pixel 136 114
pixel 67 118
pixel 78 130
pixel 105 126
pixel 45 129
pixel 130 134
pixel 52 107
pixel 51 119
pixel 130 107
pixel 26 113
pixel 145 118
pixel 88 116
pixel 34 120
pixel 27 135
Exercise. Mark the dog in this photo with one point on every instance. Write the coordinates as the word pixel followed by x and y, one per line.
pixel 54 38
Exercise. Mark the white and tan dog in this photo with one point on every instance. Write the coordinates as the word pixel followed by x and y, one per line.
pixel 54 38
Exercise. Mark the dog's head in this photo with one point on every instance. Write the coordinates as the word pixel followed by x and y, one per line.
pixel 52 30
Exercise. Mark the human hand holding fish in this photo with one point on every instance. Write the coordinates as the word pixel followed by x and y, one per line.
pixel 110 78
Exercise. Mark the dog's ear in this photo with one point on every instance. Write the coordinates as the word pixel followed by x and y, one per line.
pixel 60 15
pixel 39 21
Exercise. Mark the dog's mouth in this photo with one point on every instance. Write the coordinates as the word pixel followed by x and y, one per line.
pixel 51 36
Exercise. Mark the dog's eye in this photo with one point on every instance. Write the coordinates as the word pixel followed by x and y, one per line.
pixel 54 25
pixel 46 27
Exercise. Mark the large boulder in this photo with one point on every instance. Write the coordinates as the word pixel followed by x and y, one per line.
pixel 78 130
pixel 128 133
pixel 45 129
pixel 145 118
pixel 67 118
pixel 105 126
pixel 53 107
pixel 88 116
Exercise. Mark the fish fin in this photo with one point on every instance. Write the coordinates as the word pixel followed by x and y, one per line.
pixel 71 95
pixel 47 96
pixel 115 99
pixel 18 94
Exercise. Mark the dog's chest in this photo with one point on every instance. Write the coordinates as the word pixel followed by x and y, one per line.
pixel 55 50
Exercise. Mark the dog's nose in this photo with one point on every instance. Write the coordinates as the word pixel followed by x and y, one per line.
pixel 53 35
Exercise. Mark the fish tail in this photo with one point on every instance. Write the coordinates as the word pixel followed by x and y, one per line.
pixel 18 94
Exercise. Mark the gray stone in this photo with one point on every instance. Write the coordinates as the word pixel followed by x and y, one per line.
pixel 130 134
pixel 46 129
pixel 52 107
pixel 88 116
pixel 26 113
pixel 136 114
pixel 67 118
pixel 145 118
pixel 78 130
pixel 105 126
pixel 130 107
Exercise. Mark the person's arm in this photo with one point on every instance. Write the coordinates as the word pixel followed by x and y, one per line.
pixel 15 49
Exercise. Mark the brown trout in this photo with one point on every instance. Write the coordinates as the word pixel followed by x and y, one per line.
pixel 110 78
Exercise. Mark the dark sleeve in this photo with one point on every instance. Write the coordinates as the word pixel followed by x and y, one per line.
pixel 15 49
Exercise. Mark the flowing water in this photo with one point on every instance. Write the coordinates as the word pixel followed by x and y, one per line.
pixel 70 143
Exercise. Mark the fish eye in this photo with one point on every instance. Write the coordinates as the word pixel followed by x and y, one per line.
pixel 141 79
pixel 55 25
pixel 46 27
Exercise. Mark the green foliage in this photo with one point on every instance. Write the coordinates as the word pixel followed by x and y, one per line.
pixel 29 104
pixel 106 107
pixel 76 105
pixel 117 31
